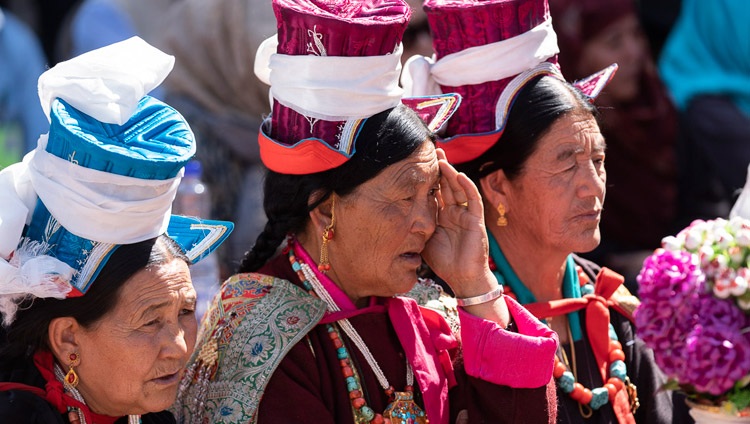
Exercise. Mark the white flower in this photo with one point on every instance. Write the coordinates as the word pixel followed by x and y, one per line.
pixel 671 243
pixel 743 237
pixel 705 253
pixel 739 286
pixel 693 238
pixel 723 238
pixel 721 288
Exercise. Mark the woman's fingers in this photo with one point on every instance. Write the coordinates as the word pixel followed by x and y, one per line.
pixel 451 189
pixel 470 190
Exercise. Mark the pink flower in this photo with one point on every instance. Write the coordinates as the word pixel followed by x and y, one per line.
pixel 689 314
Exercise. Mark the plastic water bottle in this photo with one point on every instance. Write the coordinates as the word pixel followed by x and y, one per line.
pixel 194 199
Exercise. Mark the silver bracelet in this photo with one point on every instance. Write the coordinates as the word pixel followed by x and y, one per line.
pixel 482 298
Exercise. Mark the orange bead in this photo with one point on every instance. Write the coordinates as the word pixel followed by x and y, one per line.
pixel 586 396
pixel 616 382
pixel 337 343
pixel 577 392
pixel 378 419
pixel 355 394
pixel 347 371
pixel 614 344
pixel 616 355
pixel 560 368
pixel 611 390
pixel 358 402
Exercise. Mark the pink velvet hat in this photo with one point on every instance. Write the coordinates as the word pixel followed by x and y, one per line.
pixel 331 66
pixel 487 51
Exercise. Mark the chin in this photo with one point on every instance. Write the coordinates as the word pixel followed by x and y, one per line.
pixel 405 283
pixel 587 244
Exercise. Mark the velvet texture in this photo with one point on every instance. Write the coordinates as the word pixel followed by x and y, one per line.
pixel 459 25
pixel 349 28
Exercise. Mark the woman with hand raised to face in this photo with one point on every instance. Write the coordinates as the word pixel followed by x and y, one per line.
pixel 312 329
pixel 531 142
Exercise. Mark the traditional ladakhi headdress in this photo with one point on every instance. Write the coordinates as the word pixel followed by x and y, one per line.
pixel 331 66
pixel 105 175
pixel 487 51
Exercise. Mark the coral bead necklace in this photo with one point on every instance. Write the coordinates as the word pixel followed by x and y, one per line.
pixel 565 372
pixel 402 409
pixel 592 399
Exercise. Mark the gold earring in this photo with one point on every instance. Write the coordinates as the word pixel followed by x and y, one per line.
pixel 502 221
pixel 323 265
pixel 71 378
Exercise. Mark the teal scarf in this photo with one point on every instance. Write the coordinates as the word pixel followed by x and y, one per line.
pixel 505 275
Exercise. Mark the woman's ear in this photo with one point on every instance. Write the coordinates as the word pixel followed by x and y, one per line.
pixel 495 189
pixel 64 338
pixel 322 215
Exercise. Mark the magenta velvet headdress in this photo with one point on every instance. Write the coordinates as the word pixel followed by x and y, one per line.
pixel 331 66
pixel 486 51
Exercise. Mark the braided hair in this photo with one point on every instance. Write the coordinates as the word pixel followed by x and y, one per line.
pixel 386 138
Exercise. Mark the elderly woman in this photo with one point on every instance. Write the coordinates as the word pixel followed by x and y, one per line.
pixel 95 292
pixel 532 143
pixel 637 119
pixel 317 333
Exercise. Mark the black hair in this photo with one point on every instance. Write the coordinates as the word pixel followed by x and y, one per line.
pixel 539 104
pixel 29 331
pixel 385 138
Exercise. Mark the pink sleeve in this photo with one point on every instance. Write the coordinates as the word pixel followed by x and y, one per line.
pixel 521 360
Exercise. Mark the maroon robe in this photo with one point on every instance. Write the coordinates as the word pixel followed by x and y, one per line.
pixel 308 386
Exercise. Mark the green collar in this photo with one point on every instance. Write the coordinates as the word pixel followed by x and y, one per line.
pixel 571 285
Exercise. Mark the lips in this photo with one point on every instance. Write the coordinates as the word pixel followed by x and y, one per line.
pixel 169 378
pixel 589 215
pixel 412 258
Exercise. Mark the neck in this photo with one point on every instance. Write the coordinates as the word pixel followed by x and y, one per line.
pixel 312 247
pixel 543 277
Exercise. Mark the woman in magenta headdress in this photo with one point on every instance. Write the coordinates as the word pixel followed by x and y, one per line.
pixel 638 120
pixel 532 144
pixel 313 328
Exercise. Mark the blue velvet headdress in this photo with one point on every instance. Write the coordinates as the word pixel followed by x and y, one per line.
pixel 94 183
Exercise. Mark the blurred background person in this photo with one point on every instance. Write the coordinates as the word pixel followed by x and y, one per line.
pixel 638 121
pixel 21 62
pixel 214 87
pixel 706 66
pixel 417 39
pixel 657 18
pixel 92 24
pixel 45 18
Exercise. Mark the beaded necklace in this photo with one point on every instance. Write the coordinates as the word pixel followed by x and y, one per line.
pixel 402 409
pixel 565 372
pixel 592 399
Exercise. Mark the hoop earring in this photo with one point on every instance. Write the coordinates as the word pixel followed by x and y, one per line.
pixel 502 221
pixel 323 265
pixel 71 378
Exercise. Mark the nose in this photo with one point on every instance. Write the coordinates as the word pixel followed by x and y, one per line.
pixel 179 340
pixel 591 181
pixel 425 217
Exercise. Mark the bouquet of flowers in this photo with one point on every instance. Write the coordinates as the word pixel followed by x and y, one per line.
pixel 695 312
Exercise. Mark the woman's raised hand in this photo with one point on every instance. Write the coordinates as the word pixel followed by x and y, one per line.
pixel 458 250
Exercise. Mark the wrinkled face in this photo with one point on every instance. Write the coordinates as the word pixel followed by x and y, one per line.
pixel 133 358
pixel 623 43
pixel 557 199
pixel 382 227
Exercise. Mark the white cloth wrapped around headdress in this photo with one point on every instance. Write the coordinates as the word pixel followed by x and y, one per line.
pixel 105 175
